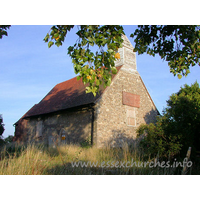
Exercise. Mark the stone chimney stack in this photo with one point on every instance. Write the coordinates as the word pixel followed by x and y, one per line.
pixel 127 56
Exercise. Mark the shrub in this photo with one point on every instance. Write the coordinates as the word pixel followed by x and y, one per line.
pixel 178 127
pixel 9 139
pixel 156 141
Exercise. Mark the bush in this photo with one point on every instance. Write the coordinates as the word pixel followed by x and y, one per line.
pixel 178 127
pixel 156 142
pixel 9 139
pixel 1 125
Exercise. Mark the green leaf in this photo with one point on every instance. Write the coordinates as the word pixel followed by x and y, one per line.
pixel 83 42
pixel 70 49
pixel 90 39
pixel 50 44
pixel 90 28
pixel 58 43
pixel 187 71
pixel 56 35
pixel 78 78
pixel 109 81
pixel 110 51
pixel 77 68
pixel 97 82
pixel 114 70
pixel 88 89
pixel 46 38
pixel 179 76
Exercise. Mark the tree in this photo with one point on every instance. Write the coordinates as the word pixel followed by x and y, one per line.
pixel 178 127
pixel 9 139
pixel 3 30
pixel 179 45
pixel 94 68
pixel 183 116
pixel 1 130
pixel 1 126
pixel 156 142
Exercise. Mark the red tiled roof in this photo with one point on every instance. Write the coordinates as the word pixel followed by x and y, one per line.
pixel 65 95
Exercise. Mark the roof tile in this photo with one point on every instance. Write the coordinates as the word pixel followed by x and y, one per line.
pixel 65 95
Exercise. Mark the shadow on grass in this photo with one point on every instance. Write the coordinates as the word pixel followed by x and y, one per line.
pixel 61 166
pixel 67 169
pixel 16 150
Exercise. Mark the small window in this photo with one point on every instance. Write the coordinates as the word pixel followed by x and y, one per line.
pixel 39 129
pixel 131 118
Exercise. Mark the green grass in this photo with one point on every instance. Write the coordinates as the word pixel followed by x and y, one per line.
pixel 41 160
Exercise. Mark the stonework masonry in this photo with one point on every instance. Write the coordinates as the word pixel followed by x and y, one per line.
pixel 113 114
pixel 73 127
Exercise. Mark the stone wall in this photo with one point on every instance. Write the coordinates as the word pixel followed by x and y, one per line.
pixel 116 123
pixel 66 127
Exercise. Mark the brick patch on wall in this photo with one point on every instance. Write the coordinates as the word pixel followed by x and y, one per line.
pixel 130 99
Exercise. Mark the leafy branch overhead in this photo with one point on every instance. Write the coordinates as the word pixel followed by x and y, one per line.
pixel 94 68
pixel 179 45
pixel 3 30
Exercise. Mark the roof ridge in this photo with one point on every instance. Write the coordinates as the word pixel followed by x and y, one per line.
pixel 66 81
pixel 81 77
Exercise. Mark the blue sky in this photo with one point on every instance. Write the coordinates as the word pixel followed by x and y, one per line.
pixel 29 70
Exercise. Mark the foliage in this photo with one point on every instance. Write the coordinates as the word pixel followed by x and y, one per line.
pixel 183 116
pixel 94 68
pixel 9 139
pixel 3 30
pixel 178 128
pixel 179 45
pixel 156 142
pixel 1 126
pixel 86 143
pixel 6 140
pixel 2 142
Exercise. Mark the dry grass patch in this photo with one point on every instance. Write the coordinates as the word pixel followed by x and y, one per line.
pixel 41 160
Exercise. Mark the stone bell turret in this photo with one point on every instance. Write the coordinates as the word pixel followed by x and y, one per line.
pixel 127 56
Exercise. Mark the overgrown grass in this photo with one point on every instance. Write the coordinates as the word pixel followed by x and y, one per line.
pixel 41 160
